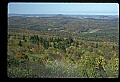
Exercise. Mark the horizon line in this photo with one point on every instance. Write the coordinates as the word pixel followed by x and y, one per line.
pixel 68 13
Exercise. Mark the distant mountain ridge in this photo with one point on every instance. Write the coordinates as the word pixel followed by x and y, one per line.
pixel 61 22
pixel 41 15
pixel 60 15
pixel 69 15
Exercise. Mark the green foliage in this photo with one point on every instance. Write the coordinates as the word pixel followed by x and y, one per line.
pixel 55 47
pixel 76 61
pixel 15 72
pixel 112 68
pixel 57 69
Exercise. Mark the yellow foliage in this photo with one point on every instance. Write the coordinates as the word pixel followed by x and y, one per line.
pixel 99 60
pixel 18 54
pixel 32 49
pixel 37 48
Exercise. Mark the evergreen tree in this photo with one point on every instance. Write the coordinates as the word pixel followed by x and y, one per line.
pixel 20 43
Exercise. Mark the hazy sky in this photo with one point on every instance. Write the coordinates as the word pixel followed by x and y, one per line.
pixel 64 8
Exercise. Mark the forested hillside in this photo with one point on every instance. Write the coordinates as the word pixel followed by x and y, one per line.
pixel 62 47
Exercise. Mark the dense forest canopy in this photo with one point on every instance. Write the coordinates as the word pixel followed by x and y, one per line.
pixel 60 46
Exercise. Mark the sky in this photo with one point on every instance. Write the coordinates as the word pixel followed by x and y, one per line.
pixel 64 8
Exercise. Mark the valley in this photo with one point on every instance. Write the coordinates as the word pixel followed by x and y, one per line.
pixel 63 46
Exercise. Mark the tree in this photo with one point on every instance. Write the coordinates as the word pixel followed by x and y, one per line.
pixel 97 45
pixel 20 43
pixel 39 48
pixel 24 38
pixel 20 54
pixel 112 67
